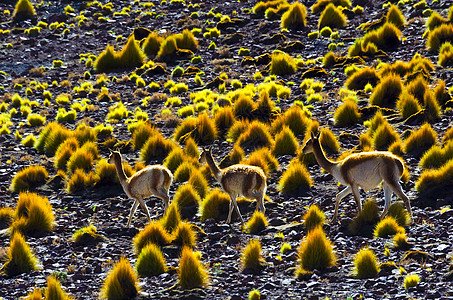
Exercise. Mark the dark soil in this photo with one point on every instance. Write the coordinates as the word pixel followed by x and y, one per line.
pixel 108 207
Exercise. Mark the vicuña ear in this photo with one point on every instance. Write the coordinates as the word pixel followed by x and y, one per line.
pixel 209 149
pixel 319 134
pixel 313 135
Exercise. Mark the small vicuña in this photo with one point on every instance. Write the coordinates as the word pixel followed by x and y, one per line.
pixel 239 179
pixel 365 170
pixel 153 180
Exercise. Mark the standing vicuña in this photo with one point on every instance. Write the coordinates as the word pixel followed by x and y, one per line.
pixel 365 170
pixel 245 180
pixel 151 181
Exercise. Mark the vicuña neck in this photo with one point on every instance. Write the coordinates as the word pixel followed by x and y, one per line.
pixel 213 166
pixel 321 158
pixel 120 171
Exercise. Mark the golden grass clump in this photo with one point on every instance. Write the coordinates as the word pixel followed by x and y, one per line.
pixel 365 264
pixel 80 159
pixel 202 129
pixel 184 170
pixel 23 10
pixel 420 140
pixel 224 119
pixel 295 118
pixel 191 272
pixel 386 37
pixel 257 223
pixel 186 40
pixel 36 294
pixel 295 17
pixel 80 180
pixel 152 43
pixel 432 107
pixel 184 235
pixel 141 134
pixel 436 156
pixel 387 227
pixel 282 63
pixel 395 16
pixel 33 214
pixel 130 56
pixel 19 258
pixel 150 262
pixel 153 233
pixel 6 217
pixel 435 20
pixel 51 136
pixel 54 290
pixel 256 135
pixel 186 195
pixel 36 120
pixel 407 104
pixel 384 136
pixel 29 178
pixel 261 7
pixel 198 181
pixel 347 114
pixel 316 251
pixel 285 142
pixel 386 93
pixel 332 17
pixel 321 4
pixel 400 242
pixel 446 55
pixel 121 282
pixel 214 205
pixel 366 219
pixel 86 235
pixel 251 257
pixel 442 176
pixel 174 158
pixel 243 107
pixel 314 217
pixel 439 35
pixel 262 158
pixel 411 280
pixel 329 141
pixel 254 295
pixel 360 78
pixel 399 213
pixel 295 180
pixel 171 218
pixel 156 147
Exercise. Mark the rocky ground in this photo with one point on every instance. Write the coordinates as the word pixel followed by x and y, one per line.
pixel 108 208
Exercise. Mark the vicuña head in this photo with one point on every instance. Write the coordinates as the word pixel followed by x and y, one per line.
pixel 153 180
pixel 239 179
pixel 365 170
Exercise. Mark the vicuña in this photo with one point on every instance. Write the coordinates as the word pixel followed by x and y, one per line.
pixel 239 179
pixel 153 180
pixel 365 170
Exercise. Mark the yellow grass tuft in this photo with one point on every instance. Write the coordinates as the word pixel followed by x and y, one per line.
pixel 121 282
pixel 20 258
pixel 29 178
pixel 251 257
pixel 257 223
pixel 387 227
pixel 54 290
pixel 295 180
pixel 316 251
pixel 33 214
pixel 332 17
pixel 153 233
pixel 365 264
pixel 184 235
pixel 150 262
pixel 282 63
pixel 314 217
pixel 191 272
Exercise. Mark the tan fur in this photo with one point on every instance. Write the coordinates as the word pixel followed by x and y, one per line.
pixel 239 179
pixel 365 170
pixel 151 181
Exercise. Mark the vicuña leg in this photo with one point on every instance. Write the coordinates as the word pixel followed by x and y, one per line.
pixel 388 198
pixel 338 198
pixel 162 193
pixel 133 209
pixel 398 190
pixel 356 193
pixel 145 208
